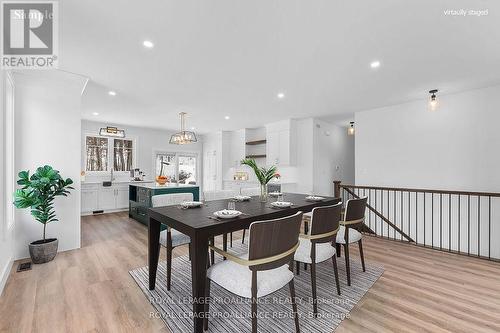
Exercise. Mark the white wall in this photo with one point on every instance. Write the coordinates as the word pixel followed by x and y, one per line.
pixel 333 156
pixel 455 147
pixel 47 131
pixel 148 141
pixel 6 233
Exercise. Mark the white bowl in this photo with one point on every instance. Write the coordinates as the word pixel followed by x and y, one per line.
pixel 227 214
pixel 191 204
pixel 241 197
pixel 281 204
pixel 314 198
pixel 275 194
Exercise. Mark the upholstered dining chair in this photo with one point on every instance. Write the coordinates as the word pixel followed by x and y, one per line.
pixel 319 244
pixel 349 233
pixel 171 238
pixel 266 268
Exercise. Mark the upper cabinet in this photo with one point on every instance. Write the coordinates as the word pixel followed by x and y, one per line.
pixel 281 142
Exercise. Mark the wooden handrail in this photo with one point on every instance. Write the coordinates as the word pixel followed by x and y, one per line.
pixel 419 190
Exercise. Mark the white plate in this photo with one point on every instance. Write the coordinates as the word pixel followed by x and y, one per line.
pixel 241 197
pixel 314 198
pixel 191 204
pixel 281 204
pixel 227 214
pixel 275 194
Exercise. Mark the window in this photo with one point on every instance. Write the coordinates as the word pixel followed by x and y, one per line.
pixel 97 153
pixel 177 167
pixel 122 155
pixel 103 153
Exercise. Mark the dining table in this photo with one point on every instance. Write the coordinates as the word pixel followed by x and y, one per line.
pixel 201 226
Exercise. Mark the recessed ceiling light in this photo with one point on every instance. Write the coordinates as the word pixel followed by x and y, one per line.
pixel 148 44
pixel 112 93
pixel 226 117
pixel 95 113
pixel 281 95
pixel 193 128
pixel 375 64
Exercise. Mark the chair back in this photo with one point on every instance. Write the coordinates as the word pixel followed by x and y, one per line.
pixel 325 220
pixel 172 199
pixel 355 210
pixel 250 191
pixel 219 195
pixel 274 238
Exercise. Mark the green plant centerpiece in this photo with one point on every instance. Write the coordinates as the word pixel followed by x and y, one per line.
pixel 38 192
pixel 264 175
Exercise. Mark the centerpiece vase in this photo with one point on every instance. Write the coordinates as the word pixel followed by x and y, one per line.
pixel 263 193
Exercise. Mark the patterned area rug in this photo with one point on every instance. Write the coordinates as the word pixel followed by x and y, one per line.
pixel 229 313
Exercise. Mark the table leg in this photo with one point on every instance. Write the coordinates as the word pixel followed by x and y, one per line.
pixel 153 250
pixel 198 277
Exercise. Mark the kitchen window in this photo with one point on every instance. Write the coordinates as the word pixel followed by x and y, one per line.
pixel 99 158
pixel 179 168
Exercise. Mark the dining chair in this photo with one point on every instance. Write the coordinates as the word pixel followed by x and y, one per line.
pixel 266 268
pixel 221 195
pixel 250 191
pixel 354 217
pixel 171 238
pixel 319 245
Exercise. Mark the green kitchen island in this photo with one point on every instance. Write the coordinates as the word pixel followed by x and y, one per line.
pixel 140 197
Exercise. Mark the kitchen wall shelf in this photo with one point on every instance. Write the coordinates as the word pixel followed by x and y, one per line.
pixel 256 156
pixel 256 142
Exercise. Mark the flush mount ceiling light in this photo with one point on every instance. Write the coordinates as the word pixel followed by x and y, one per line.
pixel 281 95
pixel 433 102
pixel 226 117
pixel 148 44
pixel 350 129
pixel 112 131
pixel 112 93
pixel 183 137
pixel 375 64
pixel 95 113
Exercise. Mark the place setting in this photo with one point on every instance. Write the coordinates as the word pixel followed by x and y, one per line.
pixel 227 214
pixel 280 203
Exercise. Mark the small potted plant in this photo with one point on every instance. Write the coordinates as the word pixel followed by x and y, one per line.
pixel 38 193
pixel 264 176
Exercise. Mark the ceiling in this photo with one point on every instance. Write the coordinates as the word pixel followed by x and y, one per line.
pixel 232 57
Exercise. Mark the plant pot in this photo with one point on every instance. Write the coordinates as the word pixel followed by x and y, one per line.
pixel 42 251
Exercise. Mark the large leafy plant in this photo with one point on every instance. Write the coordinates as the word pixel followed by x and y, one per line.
pixel 264 175
pixel 39 191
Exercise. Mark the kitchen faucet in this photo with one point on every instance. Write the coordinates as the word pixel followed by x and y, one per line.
pixel 112 177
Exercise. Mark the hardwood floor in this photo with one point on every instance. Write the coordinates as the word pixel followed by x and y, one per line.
pixel 90 290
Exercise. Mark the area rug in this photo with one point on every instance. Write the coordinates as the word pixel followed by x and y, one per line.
pixel 230 313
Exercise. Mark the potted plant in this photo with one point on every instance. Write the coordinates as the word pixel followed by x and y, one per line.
pixel 264 176
pixel 38 193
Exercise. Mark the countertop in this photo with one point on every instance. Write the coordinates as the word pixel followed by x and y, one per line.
pixel 155 186
pixel 118 182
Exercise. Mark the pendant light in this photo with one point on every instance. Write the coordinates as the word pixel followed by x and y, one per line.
pixel 350 129
pixel 183 137
pixel 433 102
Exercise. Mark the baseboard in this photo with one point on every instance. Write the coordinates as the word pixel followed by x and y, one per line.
pixel 5 274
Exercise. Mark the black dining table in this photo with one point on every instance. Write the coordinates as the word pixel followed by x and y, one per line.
pixel 197 224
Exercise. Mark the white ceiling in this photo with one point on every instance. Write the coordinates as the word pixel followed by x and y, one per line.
pixel 231 57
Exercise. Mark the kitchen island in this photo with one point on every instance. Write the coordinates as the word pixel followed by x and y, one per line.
pixel 140 197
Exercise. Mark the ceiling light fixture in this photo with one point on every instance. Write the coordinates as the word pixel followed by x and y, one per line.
pixel 350 129
pixel 112 132
pixel 183 137
pixel 112 93
pixel 95 113
pixel 226 117
pixel 375 64
pixel 433 102
pixel 281 95
pixel 148 44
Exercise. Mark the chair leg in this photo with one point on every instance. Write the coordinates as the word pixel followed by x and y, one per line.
pixel 339 250
pixel 212 253
pixel 243 239
pixel 169 264
pixel 336 272
pixel 231 239
pixel 189 251
pixel 313 284
pixel 360 243
pixel 224 244
pixel 294 306
pixel 207 304
pixel 254 302
pixel 298 268
pixel 347 263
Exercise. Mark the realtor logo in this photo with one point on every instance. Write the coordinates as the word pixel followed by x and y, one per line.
pixel 29 35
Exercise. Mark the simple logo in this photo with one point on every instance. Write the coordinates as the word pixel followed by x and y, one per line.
pixel 29 35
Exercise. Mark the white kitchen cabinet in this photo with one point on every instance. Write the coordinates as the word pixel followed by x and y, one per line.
pixel 89 199
pixel 281 143
pixel 107 198
pixel 122 199
pixel 96 197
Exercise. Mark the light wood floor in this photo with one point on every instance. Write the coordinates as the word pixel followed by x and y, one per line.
pixel 90 290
